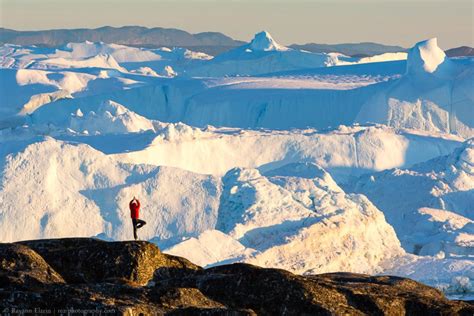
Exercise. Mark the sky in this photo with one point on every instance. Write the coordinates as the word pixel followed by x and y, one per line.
pixel 401 22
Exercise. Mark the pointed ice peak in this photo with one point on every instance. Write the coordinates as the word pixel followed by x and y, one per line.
pixel 113 107
pixel 263 41
pixel 425 56
pixel 79 113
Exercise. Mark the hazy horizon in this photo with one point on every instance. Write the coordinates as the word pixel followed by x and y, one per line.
pixel 400 23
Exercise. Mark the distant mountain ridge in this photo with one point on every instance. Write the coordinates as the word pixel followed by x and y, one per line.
pixel 127 35
pixel 213 43
pixel 460 51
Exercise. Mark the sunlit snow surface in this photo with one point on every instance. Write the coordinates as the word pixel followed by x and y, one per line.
pixel 265 154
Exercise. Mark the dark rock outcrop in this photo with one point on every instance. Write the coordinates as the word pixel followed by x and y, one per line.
pixel 88 260
pixel 22 266
pixel 74 275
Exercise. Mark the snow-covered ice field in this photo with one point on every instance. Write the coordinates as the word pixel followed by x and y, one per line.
pixel 264 154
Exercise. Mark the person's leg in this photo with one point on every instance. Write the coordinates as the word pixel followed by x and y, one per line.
pixel 140 223
pixel 134 222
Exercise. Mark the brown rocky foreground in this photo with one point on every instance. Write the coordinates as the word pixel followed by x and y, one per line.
pixel 84 275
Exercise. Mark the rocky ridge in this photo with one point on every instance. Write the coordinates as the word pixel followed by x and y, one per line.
pixel 73 275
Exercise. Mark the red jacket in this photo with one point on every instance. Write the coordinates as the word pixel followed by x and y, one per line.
pixel 134 208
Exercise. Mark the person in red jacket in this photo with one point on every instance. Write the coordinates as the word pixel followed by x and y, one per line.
pixel 134 214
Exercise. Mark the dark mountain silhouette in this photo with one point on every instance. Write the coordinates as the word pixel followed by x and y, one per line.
pixel 460 51
pixel 213 43
pixel 209 42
